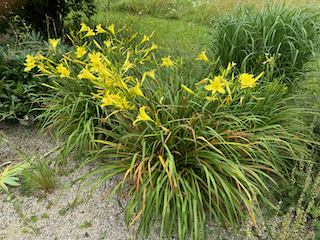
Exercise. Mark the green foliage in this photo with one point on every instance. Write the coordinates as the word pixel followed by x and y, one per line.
pixel 188 11
pixel 47 16
pixel 190 148
pixel 19 90
pixel 287 37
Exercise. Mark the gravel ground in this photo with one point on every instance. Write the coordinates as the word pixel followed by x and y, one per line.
pixel 101 221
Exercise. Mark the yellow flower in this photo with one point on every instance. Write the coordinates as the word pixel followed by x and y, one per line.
pixel 30 63
pixel 215 85
pixel 203 57
pixel 164 128
pixel 142 116
pixel 99 29
pixel 151 74
pixel 137 90
pixel 211 98
pixel 187 89
pixel 145 38
pixel 81 51
pixel 85 73
pixel 84 28
pixel 247 80
pixel 94 57
pixel 97 44
pixel 133 37
pixel 89 33
pixel 64 72
pixel 110 99
pixel 107 43
pixel 153 47
pixel 54 42
pixel 96 65
pixel 111 29
pixel 167 62
pixel 148 59
pixel 202 81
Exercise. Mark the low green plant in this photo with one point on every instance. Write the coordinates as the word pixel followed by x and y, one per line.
pixel 19 89
pixel 85 225
pixel 8 176
pixel 38 175
pixel 30 223
pixel 287 36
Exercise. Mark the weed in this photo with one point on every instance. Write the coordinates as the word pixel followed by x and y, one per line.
pixel 85 225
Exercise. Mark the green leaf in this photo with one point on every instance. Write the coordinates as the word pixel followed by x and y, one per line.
pixel 20 91
pixel 34 218
pixel 4 186
pixel 317 223
pixel 11 182
pixel 102 235
pixel 1 84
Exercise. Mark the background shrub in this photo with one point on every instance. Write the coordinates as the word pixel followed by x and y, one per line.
pixel 45 16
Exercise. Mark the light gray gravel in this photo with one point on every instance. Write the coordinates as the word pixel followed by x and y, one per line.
pixel 104 221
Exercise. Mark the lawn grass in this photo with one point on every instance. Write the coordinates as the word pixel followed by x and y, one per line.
pixel 180 25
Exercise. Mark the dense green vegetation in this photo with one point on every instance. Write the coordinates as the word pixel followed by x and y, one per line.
pixel 202 110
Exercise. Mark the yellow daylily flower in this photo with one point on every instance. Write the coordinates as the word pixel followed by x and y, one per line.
pixel 247 80
pixel 133 37
pixel 43 69
pixel 142 116
pixel 216 85
pixel 111 29
pixel 151 74
pixel 97 44
pixel 81 51
pixel 241 99
pixel 84 28
pixel 164 128
pixel 137 90
pixel 187 89
pixel 203 57
pixel 145 38
pixel 85 73
pixel 167 62
pixel 54 42
pixel 153 47
pixel 95 56
pixel 89 33
pixel 107 43
pixel 30 63
pixel 99 29
pixel 202 81
pixel 64 72
pixel 211 98
pixel 255 98
pixel 148 59
pixel 110 99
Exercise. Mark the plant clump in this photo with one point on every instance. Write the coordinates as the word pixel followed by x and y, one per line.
pixel 190 149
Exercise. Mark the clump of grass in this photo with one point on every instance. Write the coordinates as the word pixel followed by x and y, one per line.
pixel 287 37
